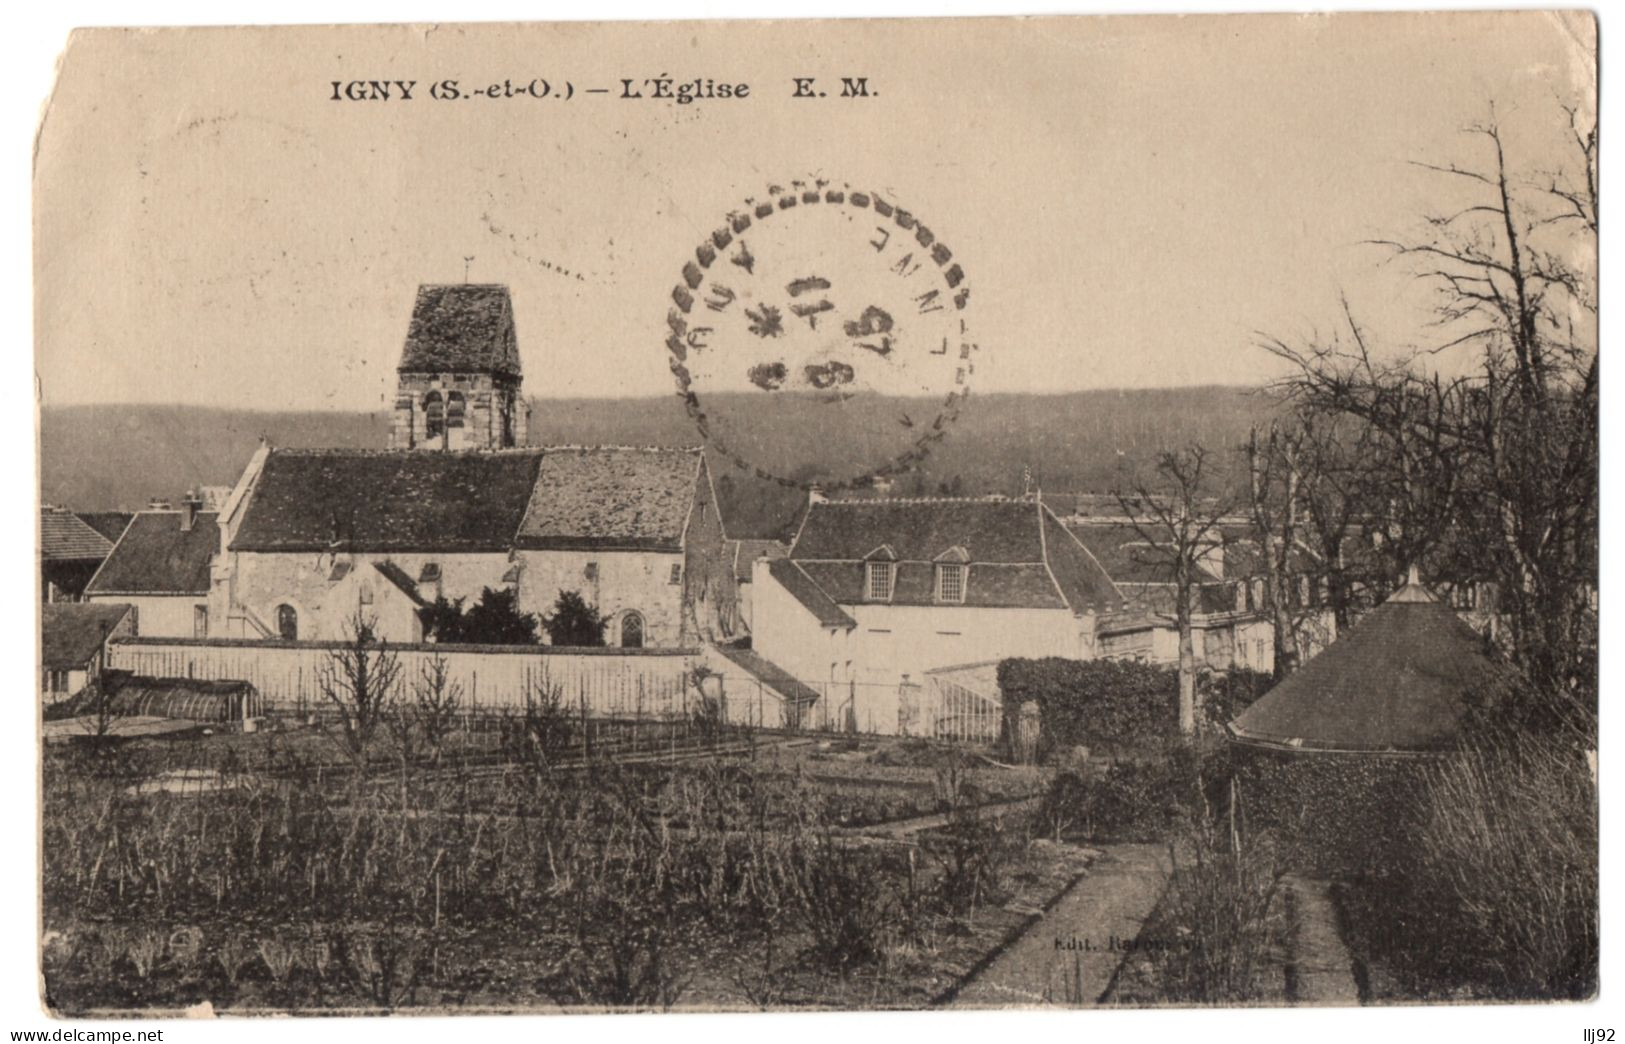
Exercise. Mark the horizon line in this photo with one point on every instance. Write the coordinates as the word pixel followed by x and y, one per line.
pixel 973 396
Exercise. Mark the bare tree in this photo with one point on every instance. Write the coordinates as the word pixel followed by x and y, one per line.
pixel 359 680
pixel 1179 522
pixel 437 700
pixel 1490 477
pixel 1273 504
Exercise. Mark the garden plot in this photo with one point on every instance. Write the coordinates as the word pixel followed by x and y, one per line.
pixel 733 881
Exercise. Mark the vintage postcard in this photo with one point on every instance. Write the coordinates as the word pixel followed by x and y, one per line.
pixel 804 515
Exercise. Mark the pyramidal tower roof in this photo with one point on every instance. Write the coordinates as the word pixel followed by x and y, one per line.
pixel 461 328
pixel 1398 681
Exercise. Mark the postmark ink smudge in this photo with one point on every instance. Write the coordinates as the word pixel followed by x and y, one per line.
pixel 816 321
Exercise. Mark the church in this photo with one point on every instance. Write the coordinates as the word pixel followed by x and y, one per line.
pixel 458 502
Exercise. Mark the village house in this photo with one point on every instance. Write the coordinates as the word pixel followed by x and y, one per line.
pixel 1232 624
pixel 876 592
pixel 73 644
pixel 309 539
pixel 160 567
pixel 743 554
pixel 1229 625
pixel 73 545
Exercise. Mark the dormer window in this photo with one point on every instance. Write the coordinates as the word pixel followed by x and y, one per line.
pixel 950 574
pixel 879 587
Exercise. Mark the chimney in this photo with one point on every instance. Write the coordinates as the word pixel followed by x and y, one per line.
pixel 191 504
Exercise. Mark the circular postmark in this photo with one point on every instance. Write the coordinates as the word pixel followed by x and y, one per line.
pixel 819 336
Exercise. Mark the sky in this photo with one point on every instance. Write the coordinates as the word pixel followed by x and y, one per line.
pixel 1136 202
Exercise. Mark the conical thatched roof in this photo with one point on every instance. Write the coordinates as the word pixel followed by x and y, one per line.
pixel 1397 681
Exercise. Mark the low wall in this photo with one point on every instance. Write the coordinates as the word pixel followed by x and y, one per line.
pixel 629 683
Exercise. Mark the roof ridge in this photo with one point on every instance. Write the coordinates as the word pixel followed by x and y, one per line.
pixel 623 447
pixel 361 451
pixel 475 286
pixel 508 451
pixel 989 498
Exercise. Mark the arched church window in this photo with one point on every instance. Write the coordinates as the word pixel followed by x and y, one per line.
pixel 434 412
pixel 287 623
pixel 632 631
pixel 455 409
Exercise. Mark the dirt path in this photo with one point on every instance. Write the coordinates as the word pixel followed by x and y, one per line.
pixel 1069 955
pixel 1323 970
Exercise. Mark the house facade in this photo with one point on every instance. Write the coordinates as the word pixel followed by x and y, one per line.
pixel 743 553
pixel 1231 622
pixel 875 593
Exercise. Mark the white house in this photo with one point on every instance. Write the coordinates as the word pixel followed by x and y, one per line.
pixel 874 593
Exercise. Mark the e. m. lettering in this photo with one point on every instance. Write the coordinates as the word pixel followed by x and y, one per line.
pixel 683 92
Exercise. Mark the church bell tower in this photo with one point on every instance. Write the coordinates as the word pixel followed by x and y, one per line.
pixel 458 380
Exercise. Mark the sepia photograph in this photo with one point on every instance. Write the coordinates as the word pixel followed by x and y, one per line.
pixel 818 515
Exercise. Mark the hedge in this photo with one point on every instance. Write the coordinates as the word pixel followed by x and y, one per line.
pixel 1114 705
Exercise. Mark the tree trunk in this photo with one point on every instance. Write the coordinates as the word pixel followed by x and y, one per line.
pixel 1187 662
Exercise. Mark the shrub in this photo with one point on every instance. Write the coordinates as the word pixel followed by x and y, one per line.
pixel 973 853
pixel 1218 930
pixel 1506 859
pixel 574 622
pixel 1222 695
pixel 1140 800
pixel 841 902
pixel 1112 705
pixel 542 729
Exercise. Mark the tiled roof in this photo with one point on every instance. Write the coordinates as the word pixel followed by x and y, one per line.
pixel 71 632
pixel 109 524
pixel 988 585
pixel 306 500
pixel 770 674
pixel 1019 554
pixel 461 328
pixel 65 536
pixel 1396 681
pixel 745 553
pixel 607 497
pixel 1081 578
pixel 810 594
pixel 1126 555
pixel 156 556
pixel 920 530
pixel 1159 598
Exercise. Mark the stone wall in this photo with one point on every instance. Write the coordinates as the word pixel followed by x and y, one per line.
pixel 485 398
pixel 616 582
pixel 261 581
